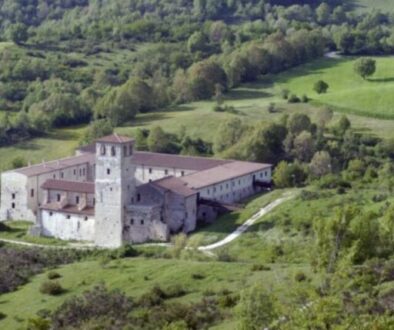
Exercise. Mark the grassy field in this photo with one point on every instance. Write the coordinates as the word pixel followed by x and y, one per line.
pixel 60 143
pixel 137 276
pixel 18 231
pixel 369 5
pixel 348 92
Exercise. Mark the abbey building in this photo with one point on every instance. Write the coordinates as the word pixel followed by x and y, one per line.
pixel 111 194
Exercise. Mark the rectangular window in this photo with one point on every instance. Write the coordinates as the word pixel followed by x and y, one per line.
pixel 150 171
pixel 54 176
pixel 166 172
pixel 13 196
pixel 13 205
pixel 58 197
pixel 32 193
pixel 75 172
pixel 77 199
pixel 142 222
pixel 108 171
pixel 131 221
pixel 50 214
pixel 183 173
pixel 61 175
pixel 68 216
pixel 138 197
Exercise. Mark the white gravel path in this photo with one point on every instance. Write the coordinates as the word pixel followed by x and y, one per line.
pixel 240 230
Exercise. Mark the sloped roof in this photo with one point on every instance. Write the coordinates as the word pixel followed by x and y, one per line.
pixel 71 186
pixel 222 173
pixel 175 161
pixel 115 138
pixel 55 165
pixel 71 209
pixel 174 185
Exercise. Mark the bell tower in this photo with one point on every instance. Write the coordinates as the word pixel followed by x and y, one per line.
pixel 115 188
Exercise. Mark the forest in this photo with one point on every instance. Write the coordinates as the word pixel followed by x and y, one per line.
pixel 49 81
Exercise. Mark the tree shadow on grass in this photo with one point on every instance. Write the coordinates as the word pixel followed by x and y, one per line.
pixel 27 146
pixel 246 94
pixel 381 80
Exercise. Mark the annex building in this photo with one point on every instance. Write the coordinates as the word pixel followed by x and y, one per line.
pixel 111 194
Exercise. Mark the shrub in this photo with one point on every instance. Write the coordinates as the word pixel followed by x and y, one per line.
pixel 228 300
pixel 304 99
pixel 300 277
pixel 259 268
pixel 320 87
pixel 2 316
pixel 293 99
pixel 285 94
pixel 52 288
pixel 198 276
pixel 52 275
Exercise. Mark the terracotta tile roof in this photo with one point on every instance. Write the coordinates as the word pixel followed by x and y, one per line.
pixel 115 138
pixel 72 186
pixel 88 211
pixel 175 161
pixel 55 165
pixel 174 185
pixel 232 170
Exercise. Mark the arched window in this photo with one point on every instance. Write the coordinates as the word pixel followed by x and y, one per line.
pixel 113 151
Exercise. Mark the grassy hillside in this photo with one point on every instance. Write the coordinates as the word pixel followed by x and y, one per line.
pixel 368 5
pixel 136 277
pixel 348 92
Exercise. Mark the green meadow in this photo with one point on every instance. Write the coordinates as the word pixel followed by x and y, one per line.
pixel 136 277
pixel 370 5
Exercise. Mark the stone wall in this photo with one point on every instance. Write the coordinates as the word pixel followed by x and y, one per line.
pixel 15 198
pixel 67 226
pixel 144 223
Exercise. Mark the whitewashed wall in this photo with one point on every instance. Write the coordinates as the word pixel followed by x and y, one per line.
pixel 145 174
pixel 78 227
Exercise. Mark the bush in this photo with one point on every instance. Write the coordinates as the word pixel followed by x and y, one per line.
pixel 293 99
pixel 304 99
pixel 52 288
pixel 300 277
pixel 2 316
pixel 285 94
pixel 320 87
pixel 198 276
pixel 52 275
pixel 259 268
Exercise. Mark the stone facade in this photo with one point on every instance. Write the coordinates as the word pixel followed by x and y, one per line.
pixel 112 194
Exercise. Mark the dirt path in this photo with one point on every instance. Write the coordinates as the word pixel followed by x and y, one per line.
pixel 240 230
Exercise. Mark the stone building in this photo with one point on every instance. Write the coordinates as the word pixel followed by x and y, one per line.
pixel 111 194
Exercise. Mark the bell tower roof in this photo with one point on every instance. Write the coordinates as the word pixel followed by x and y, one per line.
pixel 115 138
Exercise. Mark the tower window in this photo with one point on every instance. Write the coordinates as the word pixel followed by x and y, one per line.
pixel 13 205
pixel 13 196
pixel 113 151
pixel 108 171
pixel 32 193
